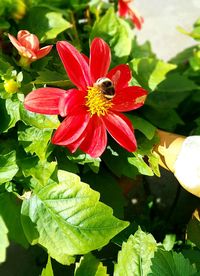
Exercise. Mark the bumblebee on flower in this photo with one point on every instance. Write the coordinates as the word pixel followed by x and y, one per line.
pixel 95 106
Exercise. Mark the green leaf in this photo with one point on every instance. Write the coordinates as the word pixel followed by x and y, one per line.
pixel 38 120
pixel 4 240
pixel 68 219
pixel 123 163
pixel 141 165
pixel 176 82
pixel 52 78
pixel 193 254
pixel 136 254
pixel 145 150
pixel 5 66
pixel 60 154
pixel 55 3
pixel 9 113
pixel 167 119
pixel 48 271
pixel 149 72
pixel 117 33
pixel 90 266
pixel 34 140
pixel 40 171
pixel 4 25
pixel 183 56
pixel 116 160
pixel 106 184
pixel 166 100
pixel 169 241
pixel 10 210
pixel 168 263
pixel 141 51
pixel 8 166
pixel 45 23
pixel 153 160
pixel 143 126
pixel 195 33
pixel 193 231
pixel 85 159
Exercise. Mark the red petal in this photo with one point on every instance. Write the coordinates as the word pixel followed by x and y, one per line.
pixel 121 129
pixel 74 146
pixel 86 58
pixel 29 54
pixel 71 100
pixel 96 137
pixel 43 51
pixel 21 49
pixel 100 57
pixel 120 76
pixel 136 18
pixel 15 43
pixel 129 98
pixel 122 8
pixel 30 41
pixel 71 128
pixel 76 66
pixel 44 100
pixel 21 33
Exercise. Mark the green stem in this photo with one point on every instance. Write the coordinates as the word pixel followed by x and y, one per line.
pixel 24 62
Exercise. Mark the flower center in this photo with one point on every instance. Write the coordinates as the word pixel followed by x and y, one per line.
pixel 96 102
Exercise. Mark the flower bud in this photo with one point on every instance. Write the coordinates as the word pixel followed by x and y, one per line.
pixel 11 86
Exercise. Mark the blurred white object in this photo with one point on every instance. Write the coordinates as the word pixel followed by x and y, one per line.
pixel 181 156
pixel 160 21
pixel 187 165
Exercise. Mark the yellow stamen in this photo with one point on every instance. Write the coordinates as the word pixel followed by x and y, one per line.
pixel 96 102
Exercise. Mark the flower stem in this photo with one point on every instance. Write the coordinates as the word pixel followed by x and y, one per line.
pixel 24 62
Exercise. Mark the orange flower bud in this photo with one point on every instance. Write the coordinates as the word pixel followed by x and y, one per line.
pixel 28 47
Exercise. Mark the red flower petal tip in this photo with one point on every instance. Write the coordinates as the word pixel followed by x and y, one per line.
pixel 126 10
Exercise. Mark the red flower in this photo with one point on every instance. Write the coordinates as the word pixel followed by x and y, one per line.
pixel 124 9
pixel 89 109
pixel 28 46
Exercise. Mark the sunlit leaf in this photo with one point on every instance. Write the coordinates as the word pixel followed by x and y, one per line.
pixel 38 120
pixel 8 166
pixel 150 72
pixel 68 219
pixel 34 140
pixel 45 23
pixel 90 266
pixel 4 240
pixel 169 241
pixel 117 33
pixel 136 254
pixel 142 125
pixel 48 271
pixel 40 171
